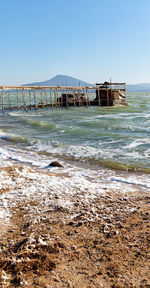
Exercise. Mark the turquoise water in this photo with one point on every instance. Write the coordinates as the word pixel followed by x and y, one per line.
pixel 116 137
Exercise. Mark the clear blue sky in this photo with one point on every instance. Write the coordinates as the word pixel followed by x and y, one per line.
pixel 92 40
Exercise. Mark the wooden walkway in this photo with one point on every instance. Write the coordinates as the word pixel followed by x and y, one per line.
pixel 35 97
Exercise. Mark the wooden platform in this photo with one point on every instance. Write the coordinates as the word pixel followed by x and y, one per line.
pixel 35 97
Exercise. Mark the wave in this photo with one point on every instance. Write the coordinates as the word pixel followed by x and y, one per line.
pixel 116 165
pixel 133 144
pixel 25 118
pixel 16 155
pixel 14 138
pixel 35 159
pixel 42 124
pixel 91 155
pixel 23 114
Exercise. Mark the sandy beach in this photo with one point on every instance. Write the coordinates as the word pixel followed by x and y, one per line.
pixel 61 229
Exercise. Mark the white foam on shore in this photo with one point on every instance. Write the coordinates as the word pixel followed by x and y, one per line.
pixel 20 156
pixel 32 185
pixel 130 180
pixel 29 184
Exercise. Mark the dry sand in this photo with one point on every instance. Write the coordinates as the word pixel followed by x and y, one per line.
pixel 53 238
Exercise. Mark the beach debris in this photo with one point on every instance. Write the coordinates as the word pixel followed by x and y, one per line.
pixel 24 256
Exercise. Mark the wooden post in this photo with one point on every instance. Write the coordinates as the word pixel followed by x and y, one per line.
pixel 25 96
pixel 79 95
pixel 86 97
pixel 55 97
pixel 35 104
pixel 62 97
pixel 74 99
pixel 30 98
pixel 46 99
pixel 111 97
pixel 50 95
pixel 58 100
pixel 66 98
pixel 99 101
pixel 3 105
pixel 9 103
pixel 24 100
pixel 17 99
pixel 41 97
pixel 107 97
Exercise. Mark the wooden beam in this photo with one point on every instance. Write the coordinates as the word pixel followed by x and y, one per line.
pixel 61 87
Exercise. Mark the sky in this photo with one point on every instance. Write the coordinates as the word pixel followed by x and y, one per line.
pixel 92 40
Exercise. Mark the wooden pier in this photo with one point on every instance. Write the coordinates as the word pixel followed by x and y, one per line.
pixel 36 97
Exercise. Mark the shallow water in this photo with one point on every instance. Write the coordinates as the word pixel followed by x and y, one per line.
pixel 114 137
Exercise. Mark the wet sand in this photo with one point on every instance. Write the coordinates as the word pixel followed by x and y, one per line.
pixel 54 237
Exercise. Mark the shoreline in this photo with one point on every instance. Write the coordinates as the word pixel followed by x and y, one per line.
pixel 66 161
pixel 90 233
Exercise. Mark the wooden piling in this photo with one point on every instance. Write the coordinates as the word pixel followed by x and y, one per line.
pixel 62 92
pixel 35 103
pixel 46 101
pixel 99 99
pixel 111 100
pixel 107 97
pixel 30 98
pixel 85 94
pixel 41 95
pixel 3 105
pixel 24 100
pixel 55 97
pixel 9 102
pixel 79 97
pixel 74 99
pixel 88 98
pixel 66 98
pixel 50 95
pixel 17 99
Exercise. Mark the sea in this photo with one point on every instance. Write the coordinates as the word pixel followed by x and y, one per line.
pixel 111 137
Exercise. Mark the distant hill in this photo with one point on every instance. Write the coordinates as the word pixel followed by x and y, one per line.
pixel 61 80
pixel 143 87
pixel 64 80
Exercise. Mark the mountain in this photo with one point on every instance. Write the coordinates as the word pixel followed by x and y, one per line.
pixel 61 80
pixel 64 80
pixel 142 87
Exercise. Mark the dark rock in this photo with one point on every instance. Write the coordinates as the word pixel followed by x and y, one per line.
pixel 71 223
pixel 55 164
pixel 78 224
pixel 26 225
pixel 69 233
pixel 76 204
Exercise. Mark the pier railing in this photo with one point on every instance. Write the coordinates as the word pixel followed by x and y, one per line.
pixel 36 97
